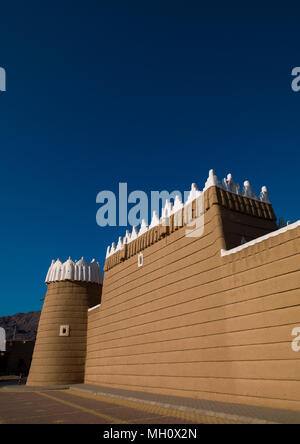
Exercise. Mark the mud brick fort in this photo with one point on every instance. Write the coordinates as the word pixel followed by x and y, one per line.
pixel 208 315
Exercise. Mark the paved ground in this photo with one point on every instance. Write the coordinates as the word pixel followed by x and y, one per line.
pixel 218 411
pixel 87 404
pixel 68 407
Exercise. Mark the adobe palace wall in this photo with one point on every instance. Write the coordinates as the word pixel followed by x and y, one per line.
pixel 203 317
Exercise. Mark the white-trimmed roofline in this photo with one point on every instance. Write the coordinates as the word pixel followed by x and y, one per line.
pixel 93 308
pixel 260 239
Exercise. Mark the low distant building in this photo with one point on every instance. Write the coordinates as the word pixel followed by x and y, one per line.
pixel 2 340
pixel 16 358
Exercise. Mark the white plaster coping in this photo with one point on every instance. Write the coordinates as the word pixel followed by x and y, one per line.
pixel 260 239
pixel 93 308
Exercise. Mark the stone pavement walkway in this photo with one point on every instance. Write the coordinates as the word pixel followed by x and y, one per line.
pixel 241 413
pixel 91 404
pixel 71 407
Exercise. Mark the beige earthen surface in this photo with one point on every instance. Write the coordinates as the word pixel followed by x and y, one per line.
pixel 192 323
pixel 59 360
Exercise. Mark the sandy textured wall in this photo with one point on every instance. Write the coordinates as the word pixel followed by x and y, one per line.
pixel 192 323
pixel 61 359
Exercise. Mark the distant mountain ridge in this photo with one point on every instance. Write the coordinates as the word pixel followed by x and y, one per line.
pixel 21 325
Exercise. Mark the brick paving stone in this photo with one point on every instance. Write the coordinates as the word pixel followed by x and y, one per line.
pixel 221 409
pixel 116 406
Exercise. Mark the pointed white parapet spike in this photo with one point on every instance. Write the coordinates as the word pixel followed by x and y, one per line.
pixel 178 205
pixel 177 202
pixel 194 193
pixel 68 269
pixel 155 219
pixel 264 195
pixel 228 182
pixel 166 213
pixel 144 227
pixel 120 244
pixel 82 262
pixel 167 209
pixel 113 248
pixel 212 181
pixel 108 252
pixel 230 185
pixel 168 205
pixel 134 233
pixel 248 190
pixel 56 270
pixel 95 274
pixel 50 271
pixel 127 237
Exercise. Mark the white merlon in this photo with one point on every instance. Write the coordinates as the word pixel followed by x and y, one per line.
pixel 260 239
pixel 167 209
pixel 120 244
pixel 248 190
pixel 264 195
pixel 144 227
pixel 194 193
pixel 134 233
pixel 155 220
pixel 113 248
pixel 74 271
pixel 178 205
pixel 127 237
pixel 230 185
pixel 108 251
pixel 212 181
pixel 226 184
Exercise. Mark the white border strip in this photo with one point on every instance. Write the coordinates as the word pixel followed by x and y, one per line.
pixel 93 308
pixel 260 239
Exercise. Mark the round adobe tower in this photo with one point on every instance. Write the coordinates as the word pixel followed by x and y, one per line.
pixel 60 348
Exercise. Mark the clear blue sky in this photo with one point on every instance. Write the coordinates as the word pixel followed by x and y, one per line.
pixel 151 93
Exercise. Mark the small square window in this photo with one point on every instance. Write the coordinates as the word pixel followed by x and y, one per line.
pixel 64 330
pixel 140 259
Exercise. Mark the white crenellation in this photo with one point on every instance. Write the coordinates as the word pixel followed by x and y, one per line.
pixel 155 220
pixel 74 271
pixel 212 181
pixel 144 227
pixel 134 233
pixel 107 252
pixel 264 195
pixel 178 205
pixel 248 190
pixel 230 185
pixel 113 248
pixel 119 244
pixel 167 209
pixel 127 237
pixel 194 193
pixel 227 184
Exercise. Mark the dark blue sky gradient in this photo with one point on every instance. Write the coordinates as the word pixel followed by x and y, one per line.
pixel 101 93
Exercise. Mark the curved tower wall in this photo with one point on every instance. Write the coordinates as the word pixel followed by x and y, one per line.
pixel 60 349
